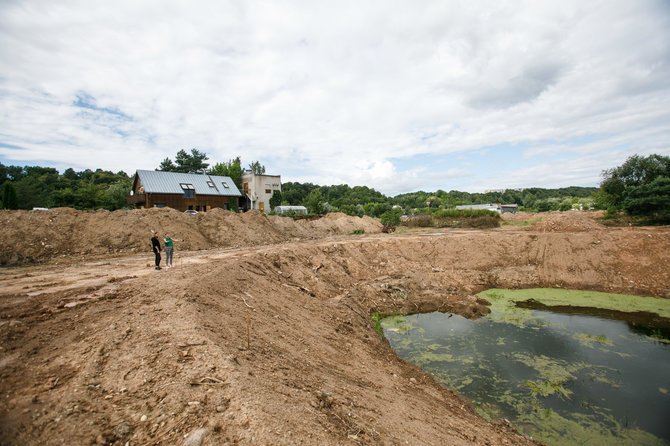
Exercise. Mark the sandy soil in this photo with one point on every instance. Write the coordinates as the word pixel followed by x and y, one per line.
pixel 67 234
pixel 269 344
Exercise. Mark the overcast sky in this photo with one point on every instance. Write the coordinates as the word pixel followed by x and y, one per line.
pixel 395 95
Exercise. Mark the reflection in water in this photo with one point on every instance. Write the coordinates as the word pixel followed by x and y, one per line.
pixel 562 378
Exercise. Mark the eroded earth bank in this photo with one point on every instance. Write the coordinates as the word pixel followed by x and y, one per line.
pixel 110 351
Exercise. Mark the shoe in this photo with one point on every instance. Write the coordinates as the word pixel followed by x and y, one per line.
pixel 157 268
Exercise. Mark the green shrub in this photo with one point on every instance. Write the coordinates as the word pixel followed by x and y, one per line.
pixel 483 222
pixel 390 218
pixel 458 218
pixel 420 221
pixel 611 212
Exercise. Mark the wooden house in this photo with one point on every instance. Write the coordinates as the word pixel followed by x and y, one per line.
pixel 182 191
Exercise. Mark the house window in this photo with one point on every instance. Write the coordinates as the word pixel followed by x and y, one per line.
pixel 267 191
pixel 189 190
pixel 225 184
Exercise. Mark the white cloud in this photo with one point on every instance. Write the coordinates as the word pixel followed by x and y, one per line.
pixel 349 91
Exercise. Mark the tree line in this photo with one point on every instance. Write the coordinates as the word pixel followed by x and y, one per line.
pixel 31 187
pixel 639 187
pixel 362 200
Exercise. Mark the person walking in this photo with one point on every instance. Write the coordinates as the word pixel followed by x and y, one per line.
pixel 169 249
pixel 156 247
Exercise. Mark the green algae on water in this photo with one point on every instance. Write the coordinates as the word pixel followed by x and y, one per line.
pixel 398 323
pixel 504 300
pixel 590 340
pixel 548 371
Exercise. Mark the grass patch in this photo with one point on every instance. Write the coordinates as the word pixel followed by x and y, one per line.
pixel 505 300
pixel 376 321
pixel 357 232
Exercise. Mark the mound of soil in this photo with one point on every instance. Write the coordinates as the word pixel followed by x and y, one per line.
pixel 269 344
pixel 34 236
pixel 570 221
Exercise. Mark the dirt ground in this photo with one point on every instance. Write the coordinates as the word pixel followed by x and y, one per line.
pixel 271 343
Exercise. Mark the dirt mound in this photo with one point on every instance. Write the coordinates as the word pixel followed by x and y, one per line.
pixel 272 344
pixel 570 221
pixel 29 236
pixel 331 224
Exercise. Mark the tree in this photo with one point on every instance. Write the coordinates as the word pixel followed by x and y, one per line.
pixel 257 168
pixel 275 200
pixel 651 199
pixel 194 162
pixel 638 185
pixel 391 218
pixel 9 199
pixel 116 194
pixel 70 174
pixel 35 186
pixel 3 173
pixel 636 171
pixel 565 205
pixel 232 169
pixel 233 204
pixel 544 205
pixel 185 162
pixel 167 166
pixel 313 201
pixel 89 196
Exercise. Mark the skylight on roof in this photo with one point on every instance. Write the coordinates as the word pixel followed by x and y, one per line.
pixel 210 183
pixel 187 186
pixel 225 184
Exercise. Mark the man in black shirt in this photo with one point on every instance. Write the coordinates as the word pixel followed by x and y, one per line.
pixel 156 246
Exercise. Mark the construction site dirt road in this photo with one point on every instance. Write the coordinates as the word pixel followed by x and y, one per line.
pixel 271 343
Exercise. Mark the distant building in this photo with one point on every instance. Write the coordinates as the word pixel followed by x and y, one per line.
pixel 509 208
pixel 488 207
pixel 502 191
pixel 182 191
pixel 258 190
pixel 286 209
pixel 499 208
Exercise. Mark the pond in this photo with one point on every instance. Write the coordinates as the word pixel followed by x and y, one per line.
pixel 564 374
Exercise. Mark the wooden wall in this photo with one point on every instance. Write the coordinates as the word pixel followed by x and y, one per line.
pixel 180 203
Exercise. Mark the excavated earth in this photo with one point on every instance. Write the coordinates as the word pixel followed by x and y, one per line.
pixel 267 344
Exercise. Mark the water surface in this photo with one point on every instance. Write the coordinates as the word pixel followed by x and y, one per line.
pixel 561 378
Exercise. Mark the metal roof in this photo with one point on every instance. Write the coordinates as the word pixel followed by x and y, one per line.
pixel 159 182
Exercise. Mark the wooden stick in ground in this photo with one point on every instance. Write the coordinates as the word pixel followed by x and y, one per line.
pixel 248 331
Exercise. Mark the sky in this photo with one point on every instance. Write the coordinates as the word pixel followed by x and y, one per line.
pixel 396 95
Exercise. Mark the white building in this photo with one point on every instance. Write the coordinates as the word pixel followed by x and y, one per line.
pixel 295 209
pixel 258 190
pixel 489 207
pixel 499 208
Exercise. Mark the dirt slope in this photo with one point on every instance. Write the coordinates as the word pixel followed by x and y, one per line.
pixel 110 351
pixel 36 236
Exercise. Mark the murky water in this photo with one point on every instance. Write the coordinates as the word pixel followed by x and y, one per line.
pixel 561 378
